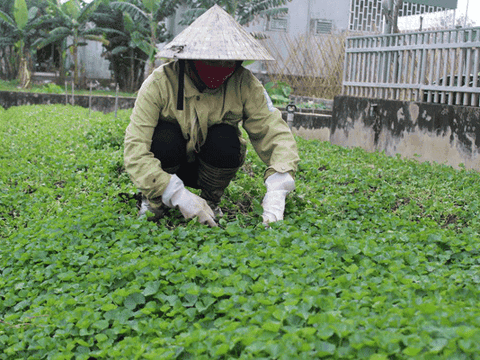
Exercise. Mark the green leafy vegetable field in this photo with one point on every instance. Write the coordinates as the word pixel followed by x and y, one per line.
pixel 378 257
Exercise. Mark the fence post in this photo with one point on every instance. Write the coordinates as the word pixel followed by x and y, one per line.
pixel 453 55
pixel 438 65
pixel 291 109
pixel 423 69
pixel 116 101
pixel 468 67
pixel 90 100
pixel 476 69
pixel 345 67
pixel 446 56
pixel 461 65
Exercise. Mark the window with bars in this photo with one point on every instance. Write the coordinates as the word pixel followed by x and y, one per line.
pixel 278 24
pixel 322 26
pixel 417 9
pixel 366 15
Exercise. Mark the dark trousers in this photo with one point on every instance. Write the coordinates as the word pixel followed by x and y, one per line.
pixel 221 150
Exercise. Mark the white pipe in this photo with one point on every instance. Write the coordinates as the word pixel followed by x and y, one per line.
pixel 466 15
pixel 309 15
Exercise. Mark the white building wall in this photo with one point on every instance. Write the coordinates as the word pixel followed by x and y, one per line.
pixel 302 20
pixel 91 64
pixel 91 61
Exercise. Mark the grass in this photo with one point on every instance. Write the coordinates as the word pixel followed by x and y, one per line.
pixel 56 89
pixel 377 258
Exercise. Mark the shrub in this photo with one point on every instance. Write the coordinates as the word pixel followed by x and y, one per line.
pixel 279 92
pixel 52 88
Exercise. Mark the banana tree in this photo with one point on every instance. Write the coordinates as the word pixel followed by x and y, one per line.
pixel 127 60
pixel 72 19
pixel 8 53
pixel 144 18
pixel 21 27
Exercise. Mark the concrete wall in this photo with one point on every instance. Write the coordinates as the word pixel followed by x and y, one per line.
pixel 300 15
pixel 445 134
pixel 313 125
pixel 104 104
pixel 301 12
pixel 91 64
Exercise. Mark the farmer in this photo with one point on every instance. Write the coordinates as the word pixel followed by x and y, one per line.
pixel 184 129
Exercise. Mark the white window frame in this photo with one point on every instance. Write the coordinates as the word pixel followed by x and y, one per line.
pixel 324 22
pixel 273 21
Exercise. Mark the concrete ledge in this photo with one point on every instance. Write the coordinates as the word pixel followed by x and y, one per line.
pixel 446 134
pixel 312 125
pixel 104 104
pixel 306 99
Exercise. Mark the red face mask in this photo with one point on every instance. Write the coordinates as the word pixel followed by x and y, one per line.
pixel 213 76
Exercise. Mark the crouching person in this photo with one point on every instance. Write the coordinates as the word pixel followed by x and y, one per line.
pixel 184 129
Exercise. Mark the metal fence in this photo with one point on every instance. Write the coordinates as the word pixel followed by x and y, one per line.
pixel 440 66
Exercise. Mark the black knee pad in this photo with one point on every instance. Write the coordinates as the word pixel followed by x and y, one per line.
pixel 168 144
pixel 222 147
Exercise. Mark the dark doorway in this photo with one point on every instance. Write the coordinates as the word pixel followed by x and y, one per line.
pixel 48 59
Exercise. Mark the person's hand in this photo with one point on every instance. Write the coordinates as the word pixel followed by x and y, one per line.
pixel 189 204
pixel 278 187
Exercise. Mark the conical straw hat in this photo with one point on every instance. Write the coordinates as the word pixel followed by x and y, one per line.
pixel 215 36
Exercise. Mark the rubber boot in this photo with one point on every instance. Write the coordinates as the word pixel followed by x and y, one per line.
pixel 213 181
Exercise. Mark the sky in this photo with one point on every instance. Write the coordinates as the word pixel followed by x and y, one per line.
pixel 473 9
pixel 473 13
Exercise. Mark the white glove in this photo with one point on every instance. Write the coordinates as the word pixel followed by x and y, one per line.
pixel 189 204
pixel 278 187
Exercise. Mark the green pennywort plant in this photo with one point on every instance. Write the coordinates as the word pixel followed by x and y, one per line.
pixel 377 258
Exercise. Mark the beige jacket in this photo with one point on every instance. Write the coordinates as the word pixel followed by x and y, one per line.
pixel 241 100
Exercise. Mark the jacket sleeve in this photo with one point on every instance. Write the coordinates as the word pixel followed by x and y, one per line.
pixel 143 168
pixel 268 132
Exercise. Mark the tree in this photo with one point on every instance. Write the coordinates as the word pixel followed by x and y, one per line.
pixel 18 31
pixel 391 9
pixel 144 18
pixel 244 11
pixel 127 60
pixel 449 21
pixel 73 19
pixel 8 70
